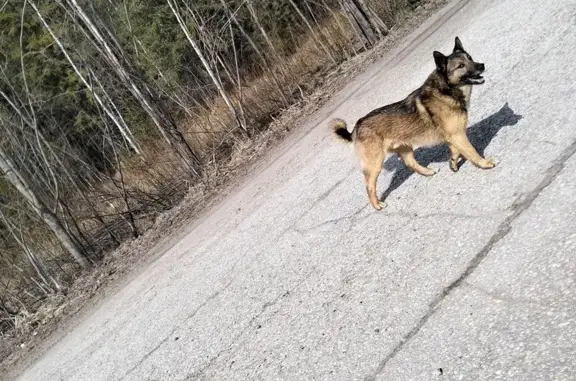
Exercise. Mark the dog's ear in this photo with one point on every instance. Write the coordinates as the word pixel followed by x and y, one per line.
pixel 458 45
pixel 441 61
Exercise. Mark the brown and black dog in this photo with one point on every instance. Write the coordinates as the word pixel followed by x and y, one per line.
pixel 435 113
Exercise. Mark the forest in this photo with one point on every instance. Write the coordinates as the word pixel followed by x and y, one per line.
pixel 112 110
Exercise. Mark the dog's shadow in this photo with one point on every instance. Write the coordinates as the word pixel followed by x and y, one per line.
pixel 480 135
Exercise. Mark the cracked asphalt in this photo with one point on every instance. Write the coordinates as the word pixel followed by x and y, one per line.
pixel 467 276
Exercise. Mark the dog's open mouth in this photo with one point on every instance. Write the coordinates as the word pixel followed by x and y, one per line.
pixel 475 80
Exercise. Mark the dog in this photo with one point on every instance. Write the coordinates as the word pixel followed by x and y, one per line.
pixel 435 113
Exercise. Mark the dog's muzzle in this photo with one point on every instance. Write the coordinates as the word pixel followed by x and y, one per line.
pixel 476 78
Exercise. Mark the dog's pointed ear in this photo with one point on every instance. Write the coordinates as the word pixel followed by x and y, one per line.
pixel 441 61
pixel 458 45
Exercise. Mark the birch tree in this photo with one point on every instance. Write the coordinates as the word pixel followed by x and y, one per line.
pixel 51 220
pixel 144 94
pixel 367 24
pixel 268 65
pixel 176 11
pixel 317 38
pixel 105 103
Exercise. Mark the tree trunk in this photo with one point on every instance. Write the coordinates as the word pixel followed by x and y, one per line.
pixel 364 20
pixel 145 96
pixel 267 65
pixel 256 20
pixel 48 217
pixel 38 265
pixel 116 119
pixel 336 15
pixel 375 21
pixel 205 63
pixel 311 29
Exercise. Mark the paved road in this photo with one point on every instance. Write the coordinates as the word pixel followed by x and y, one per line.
pixel 468 276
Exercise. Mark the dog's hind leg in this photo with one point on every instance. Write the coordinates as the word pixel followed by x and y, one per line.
pixel 407 154
pixel 454 158
pixel 371 158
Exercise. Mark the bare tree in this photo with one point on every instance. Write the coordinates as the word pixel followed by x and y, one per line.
pixel 48 217
pixel 317 38
pixel 367 24
pixel 176 11
pixel 115 117
pixel 267 63
pixel 144 94
pixel 256 20
pixel 34 261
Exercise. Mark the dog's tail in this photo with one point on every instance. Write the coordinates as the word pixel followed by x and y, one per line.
pixel 339 129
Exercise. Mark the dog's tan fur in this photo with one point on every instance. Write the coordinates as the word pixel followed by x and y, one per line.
pixel 435 113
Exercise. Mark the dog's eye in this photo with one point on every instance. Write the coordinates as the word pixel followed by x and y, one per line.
pixel 461 66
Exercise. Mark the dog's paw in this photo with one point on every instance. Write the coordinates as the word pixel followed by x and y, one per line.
pixel 488 163
pixel 454 167
pixel 379 206
pixel 430 171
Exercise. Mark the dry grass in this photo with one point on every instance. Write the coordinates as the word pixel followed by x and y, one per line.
pixel 212 132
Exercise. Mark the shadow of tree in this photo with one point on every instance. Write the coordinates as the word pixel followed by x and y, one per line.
pixel 480 135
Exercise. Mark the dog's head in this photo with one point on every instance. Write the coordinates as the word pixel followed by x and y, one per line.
pixel 459 68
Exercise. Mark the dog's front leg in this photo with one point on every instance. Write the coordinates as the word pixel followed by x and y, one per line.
pixel 461 143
